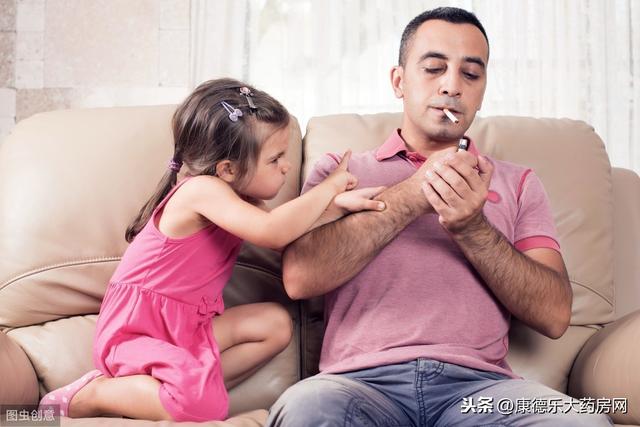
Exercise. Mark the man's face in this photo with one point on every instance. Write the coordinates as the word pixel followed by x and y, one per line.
pixel 445 67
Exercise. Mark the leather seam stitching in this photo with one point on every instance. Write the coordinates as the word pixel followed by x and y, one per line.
pixel 58 266
pixel 592 290
pixel 102 260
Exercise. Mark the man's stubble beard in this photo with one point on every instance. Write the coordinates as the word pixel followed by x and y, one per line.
pixel 445 134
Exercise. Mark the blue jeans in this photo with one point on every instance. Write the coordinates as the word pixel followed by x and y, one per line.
pixel 423 393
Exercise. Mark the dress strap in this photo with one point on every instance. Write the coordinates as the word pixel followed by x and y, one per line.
pixel 168 196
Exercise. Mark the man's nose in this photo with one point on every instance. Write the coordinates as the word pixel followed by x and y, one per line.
pixel 451 84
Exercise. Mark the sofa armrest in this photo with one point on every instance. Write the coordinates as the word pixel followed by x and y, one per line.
pixel 608 366
pixel 19 383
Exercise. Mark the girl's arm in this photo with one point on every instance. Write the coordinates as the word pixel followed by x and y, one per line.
pixel 214 199
pixel 350 202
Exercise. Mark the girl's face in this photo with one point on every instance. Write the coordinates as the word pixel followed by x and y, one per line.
pixel 271 168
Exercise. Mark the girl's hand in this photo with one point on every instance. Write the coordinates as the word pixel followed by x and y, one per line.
pixel 359 200
pixel 351 201
pixel 341 177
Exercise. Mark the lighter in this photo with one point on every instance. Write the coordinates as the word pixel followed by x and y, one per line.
pixel 463 144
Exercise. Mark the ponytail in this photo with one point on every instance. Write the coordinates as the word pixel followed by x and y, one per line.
pixel 167 182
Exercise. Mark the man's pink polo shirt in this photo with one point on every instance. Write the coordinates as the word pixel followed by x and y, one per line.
pixel 420 297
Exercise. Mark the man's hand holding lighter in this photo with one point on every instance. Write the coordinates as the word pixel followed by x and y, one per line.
pixel 456 187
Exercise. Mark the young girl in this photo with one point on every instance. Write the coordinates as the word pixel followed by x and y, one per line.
pixel 156 353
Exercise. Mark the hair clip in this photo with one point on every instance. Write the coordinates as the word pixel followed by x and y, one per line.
pixel 248 94
pixel 234 113
pixel 175 165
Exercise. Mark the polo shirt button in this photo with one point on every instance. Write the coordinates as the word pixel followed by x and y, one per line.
pixel 493 197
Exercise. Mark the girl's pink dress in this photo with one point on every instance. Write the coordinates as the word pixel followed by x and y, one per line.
pixel 156 316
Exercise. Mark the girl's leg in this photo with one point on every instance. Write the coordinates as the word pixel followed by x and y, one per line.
pixel 249 336
pixel 134 396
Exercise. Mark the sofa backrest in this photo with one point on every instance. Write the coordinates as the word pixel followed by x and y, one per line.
pixel 571 161
pixel 70 182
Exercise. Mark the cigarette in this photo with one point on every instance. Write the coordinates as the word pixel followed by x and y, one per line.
pixel 449 114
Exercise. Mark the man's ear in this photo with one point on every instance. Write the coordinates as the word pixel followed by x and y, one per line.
pixel 397 74
pixel 226 170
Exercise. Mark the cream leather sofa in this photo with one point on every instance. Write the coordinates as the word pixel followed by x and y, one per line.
pixel 70 181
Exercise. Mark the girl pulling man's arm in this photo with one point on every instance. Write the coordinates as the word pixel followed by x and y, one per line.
pixel 165 347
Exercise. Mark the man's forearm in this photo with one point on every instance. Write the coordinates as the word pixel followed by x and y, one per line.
pixel 330 255
pixel 534 293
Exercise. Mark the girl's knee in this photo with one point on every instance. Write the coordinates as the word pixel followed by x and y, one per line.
pixel 265 322
pixel 280 325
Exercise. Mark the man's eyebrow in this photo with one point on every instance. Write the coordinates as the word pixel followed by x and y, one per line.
pixel 475 60
pixel 432 54
pixel 439 55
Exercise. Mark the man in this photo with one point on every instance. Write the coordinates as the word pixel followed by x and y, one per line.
pixel 419 296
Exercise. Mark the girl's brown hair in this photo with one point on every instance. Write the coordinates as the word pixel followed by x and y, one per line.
pixel 204 134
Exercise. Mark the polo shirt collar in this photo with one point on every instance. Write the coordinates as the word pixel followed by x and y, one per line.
pixel 395 145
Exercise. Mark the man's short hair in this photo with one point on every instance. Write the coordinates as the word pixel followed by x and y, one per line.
pixel 453 15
